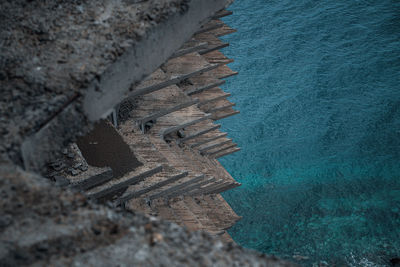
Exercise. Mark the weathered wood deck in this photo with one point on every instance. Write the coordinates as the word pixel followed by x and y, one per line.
pixel 168 123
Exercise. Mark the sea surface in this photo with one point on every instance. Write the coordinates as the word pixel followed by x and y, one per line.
pixel 319 94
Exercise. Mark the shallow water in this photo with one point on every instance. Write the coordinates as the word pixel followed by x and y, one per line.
pixel 319 94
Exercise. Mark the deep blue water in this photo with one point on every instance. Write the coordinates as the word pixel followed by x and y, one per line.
pixel 319 94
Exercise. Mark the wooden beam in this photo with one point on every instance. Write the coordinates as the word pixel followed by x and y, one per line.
pixel 198 185
pixel 211 189
pixel 222 13
pixel 186 189
pixel 222 149
pixel 204 190
pixel 187 50
pixel 224 95
pixel 94 181
pixel 166 111
pixel 211 48
pixel 183 125
pixel 115 188
pixel 208 140
pixel 171 190
pixel 199 133
pixel 234 112
pixel 212 25
pixel 227 153
pixel 203 150
pixel 152 187
pixel 209 86
pixel 173 80
pixel 224 188
pixel 221 108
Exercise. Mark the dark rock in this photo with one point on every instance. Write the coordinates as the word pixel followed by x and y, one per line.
pixel 77 165
pixel 83 167
pixel 61 181
pixel 395 261
pixel 5 220
pixel 86 234
pixel 181 134
pixel 73 172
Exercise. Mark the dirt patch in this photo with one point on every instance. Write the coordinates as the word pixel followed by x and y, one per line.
pixel 104 147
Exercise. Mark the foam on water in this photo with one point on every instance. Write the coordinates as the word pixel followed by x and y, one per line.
pixel 319 94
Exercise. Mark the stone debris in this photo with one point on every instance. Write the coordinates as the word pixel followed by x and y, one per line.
pixel 42 225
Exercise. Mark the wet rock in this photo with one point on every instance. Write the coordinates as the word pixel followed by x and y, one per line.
pixel 300 257
pixel 5 220
pixel 323 264
pixel 181 134
pixel 83 167
pixel 73 172
pixel 65 229
pixel 395 261
pixel 77 165
pixel 61 181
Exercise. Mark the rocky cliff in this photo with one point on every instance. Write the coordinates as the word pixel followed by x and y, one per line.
pixel 115 103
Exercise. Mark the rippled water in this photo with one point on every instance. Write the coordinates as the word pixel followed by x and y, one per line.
pixel 319 94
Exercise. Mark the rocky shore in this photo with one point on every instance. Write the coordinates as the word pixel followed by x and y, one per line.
pixel 115 103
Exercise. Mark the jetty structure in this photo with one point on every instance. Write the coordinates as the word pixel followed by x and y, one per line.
pixel 158 149
pixel 116 102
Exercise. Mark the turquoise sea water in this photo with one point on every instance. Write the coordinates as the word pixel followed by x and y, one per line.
pixel 319 94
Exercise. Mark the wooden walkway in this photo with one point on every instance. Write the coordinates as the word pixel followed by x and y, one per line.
pixel 168 122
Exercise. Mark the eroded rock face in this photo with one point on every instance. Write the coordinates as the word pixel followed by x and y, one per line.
pixel 56 53
pixel 41 224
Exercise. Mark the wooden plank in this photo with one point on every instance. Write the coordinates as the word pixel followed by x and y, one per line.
pixel 152 187
pixel 226 104
pixel 214 43
pixel 204 190
pixel 205 87
pixel 227 152
pixel 224 114
pixel 199 185
pixel 217 187
pixel 213 47
pixel 208 140
pixel 170 81
pixel 222 31
pixel 212 146
pixel 222 13
pixel 224 188
pixel 94 181
pixel 190 47
pixel 220 149
pixel 211 25
pixel 212 96
pixel 199 133
pixel 221 108
pixel 115 188
pixel 183 125
pixel 171 190
pixel 216 57
pixel 222 72
pixel 186 189
pixel 188 63
pixel 166 111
